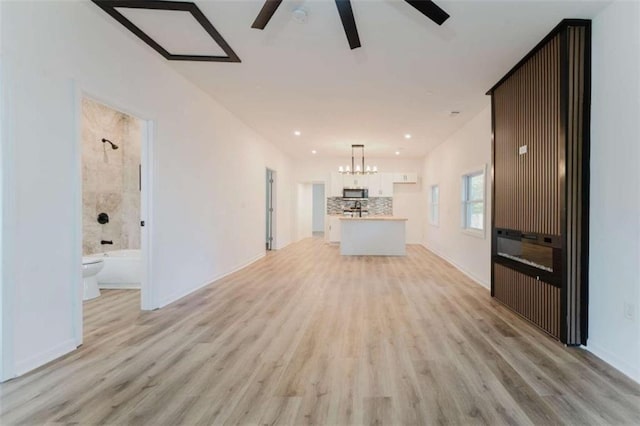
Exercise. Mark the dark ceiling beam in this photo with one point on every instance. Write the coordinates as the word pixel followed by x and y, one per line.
pixel 111 6
pixel 267 11
pixel 348 22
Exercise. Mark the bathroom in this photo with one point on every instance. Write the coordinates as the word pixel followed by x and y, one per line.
pixel 111 186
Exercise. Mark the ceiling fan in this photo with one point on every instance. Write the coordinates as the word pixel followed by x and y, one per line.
pixel 426 7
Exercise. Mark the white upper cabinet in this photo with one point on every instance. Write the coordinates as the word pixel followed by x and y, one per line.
pixel 336 185
pixel 405 178
pixel 381 185
pixel 355 181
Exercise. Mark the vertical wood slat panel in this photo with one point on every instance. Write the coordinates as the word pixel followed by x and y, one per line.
pixel 537 301
pixel 576 37
pixel 527 190
pixel 543 103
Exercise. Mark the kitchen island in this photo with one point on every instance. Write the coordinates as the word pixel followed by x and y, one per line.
pixel 373 236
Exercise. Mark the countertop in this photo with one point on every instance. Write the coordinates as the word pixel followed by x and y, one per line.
pixel 370 218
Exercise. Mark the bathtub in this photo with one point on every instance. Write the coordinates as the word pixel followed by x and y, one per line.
pixel 122 269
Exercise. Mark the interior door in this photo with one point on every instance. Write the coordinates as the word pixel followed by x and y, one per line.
pixel 269 210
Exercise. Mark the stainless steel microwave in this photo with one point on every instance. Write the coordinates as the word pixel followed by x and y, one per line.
pixel 355 193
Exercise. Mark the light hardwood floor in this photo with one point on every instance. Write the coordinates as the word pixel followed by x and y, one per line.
pixel 306 336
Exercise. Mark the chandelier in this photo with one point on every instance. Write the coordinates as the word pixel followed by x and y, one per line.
pixel 357 169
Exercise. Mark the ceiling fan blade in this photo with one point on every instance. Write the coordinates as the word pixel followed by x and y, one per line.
pixel 267 11
pixel 348 22
pixel 430 10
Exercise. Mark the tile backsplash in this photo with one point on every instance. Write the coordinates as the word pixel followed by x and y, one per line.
pixel 377 206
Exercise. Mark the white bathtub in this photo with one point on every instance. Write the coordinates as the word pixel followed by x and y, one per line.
pixel 122 269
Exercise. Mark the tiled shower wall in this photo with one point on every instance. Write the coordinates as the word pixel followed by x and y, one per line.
pixel 110 178
pixel 377 206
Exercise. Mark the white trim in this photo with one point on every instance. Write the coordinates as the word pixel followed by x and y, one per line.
pixel 7 233
pixel 77 284
pixel 274 206
pixel 283 245
pixel 446 258
pixel 629 370
pixel 148 169
pixel 432 222
pixel 179 295
pixel 478 233
pixel 40 359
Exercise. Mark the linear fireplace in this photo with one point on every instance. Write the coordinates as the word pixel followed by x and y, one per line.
pixel 536 255
pixel 527 252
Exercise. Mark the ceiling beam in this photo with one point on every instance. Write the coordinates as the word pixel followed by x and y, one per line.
pixel 348 22
pixel 267 11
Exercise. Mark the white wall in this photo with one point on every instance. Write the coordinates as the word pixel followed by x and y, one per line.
pixel 408 199
pixel 465 151
pixel 614 258
pixel 208 218
pixel 319 209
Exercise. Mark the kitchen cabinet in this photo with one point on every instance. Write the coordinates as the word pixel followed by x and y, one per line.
pixel 381 185
pixel 373 236
pixel 405 178
pixel 355 181
pixel 335 189
pixel 333 229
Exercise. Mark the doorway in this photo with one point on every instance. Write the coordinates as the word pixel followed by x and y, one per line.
pixel 318 210
pixel 114 153
pixel 269 208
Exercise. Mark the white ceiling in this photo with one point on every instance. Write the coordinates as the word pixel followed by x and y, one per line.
pixel 406 78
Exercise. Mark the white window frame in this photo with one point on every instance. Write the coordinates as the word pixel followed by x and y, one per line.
pixel 434 206
pixel 478 171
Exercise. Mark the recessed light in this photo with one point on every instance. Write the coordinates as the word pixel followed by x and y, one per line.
pixel 297 132
pixel 314 151
pixel 397 152
pixel 407 135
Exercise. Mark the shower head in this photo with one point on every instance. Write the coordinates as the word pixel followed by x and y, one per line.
pixel 113 145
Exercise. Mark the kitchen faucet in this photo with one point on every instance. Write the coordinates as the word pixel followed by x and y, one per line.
pixel 358 206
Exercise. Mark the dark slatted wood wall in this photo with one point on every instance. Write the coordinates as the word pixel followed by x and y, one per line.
pixel 535 300
pixel 543 103
pixel 527 188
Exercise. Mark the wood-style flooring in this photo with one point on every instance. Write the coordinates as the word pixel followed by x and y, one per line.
pixel 305 336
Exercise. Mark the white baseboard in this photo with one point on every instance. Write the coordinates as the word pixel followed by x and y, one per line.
pixel 476 279
pixel 31 363
pixel 283 245
pixel 179 295
pixel 629 370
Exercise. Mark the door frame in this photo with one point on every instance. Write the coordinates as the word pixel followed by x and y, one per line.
pixel 272 191
pixel 147 171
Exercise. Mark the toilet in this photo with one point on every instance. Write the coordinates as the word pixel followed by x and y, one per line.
pixel 90 268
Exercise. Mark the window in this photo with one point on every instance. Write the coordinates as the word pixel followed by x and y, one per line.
pixel 473 201
pixel 434 205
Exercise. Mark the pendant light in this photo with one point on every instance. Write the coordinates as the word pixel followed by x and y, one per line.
pixel 357 169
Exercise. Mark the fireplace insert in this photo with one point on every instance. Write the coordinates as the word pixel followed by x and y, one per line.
pixel 536 255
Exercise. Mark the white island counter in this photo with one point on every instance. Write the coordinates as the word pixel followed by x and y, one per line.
pixel 374 236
